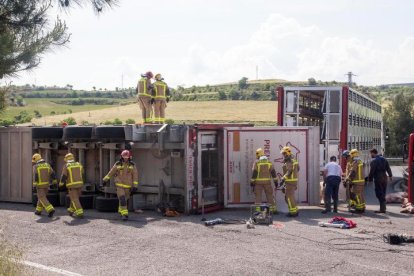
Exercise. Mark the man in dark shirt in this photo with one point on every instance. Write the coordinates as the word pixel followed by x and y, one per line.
pixel 378 172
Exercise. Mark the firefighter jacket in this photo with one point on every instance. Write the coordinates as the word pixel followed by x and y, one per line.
pixel 161 90
pixel 43 174
pixel 348 168
pixel 126 174
pixel 290 170
pixel 263 171
pixel 145 88
pixel 356 174
pixel 72 175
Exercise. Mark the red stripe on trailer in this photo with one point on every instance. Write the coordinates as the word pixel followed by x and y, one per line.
pixel 280 97
pixel 410 168
pixel 343 143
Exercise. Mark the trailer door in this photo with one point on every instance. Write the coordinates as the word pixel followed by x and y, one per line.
pixel 240 146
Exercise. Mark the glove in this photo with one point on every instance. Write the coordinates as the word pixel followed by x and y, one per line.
pixel 134 190
pixel 168 99
pixel 152 101
pixel 105 183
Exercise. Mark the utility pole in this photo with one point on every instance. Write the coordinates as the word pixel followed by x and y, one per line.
pixel 350 74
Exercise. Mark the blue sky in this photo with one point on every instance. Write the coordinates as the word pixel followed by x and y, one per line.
pixel 195 42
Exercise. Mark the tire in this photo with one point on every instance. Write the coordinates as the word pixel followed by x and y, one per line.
pixel 39 133
pixel 86 201
pixel 52 197
pixel 103 204
pixel 77 132
pixel 110 132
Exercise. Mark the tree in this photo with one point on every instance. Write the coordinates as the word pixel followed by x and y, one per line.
pixel 222 95
pixel 399 119
pixel 27 32
pixel 243 83
pixel 311 81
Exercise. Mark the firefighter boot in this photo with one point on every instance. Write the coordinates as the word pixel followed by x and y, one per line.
pixel 51 213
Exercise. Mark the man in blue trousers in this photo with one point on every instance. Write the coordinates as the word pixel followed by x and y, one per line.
pixel 332 176
pixel 378 172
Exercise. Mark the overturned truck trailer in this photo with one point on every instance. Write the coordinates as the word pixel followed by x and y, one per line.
pixel 186 167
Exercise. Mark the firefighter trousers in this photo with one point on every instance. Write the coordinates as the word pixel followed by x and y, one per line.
pixel 267 188
pixel 123 197
pixel 75 205
pixel 358 190
pixel 350 196
pixel 146 108
pixel 159 111
pixel 42 202
pixel 290 199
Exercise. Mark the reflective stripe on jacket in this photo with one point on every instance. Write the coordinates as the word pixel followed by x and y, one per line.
pixel 263 170
pixel 357 174
pixel 144 87
pixel 42 174
pixel 72 175
pixel 290 170
pixel 161 90
pixel 126 174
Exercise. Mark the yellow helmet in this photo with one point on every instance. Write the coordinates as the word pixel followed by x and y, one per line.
pixel 158 77
pixel 69 157
pixel 36 157
pixel 286 150
pixel 354 153
pixel 259 153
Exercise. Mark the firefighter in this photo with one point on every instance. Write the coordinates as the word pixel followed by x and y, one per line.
pixel 263 172
pixel 43 174
pixel 145 97
pixel 350 196
pixel 161 98
pixel 72 178
pixel 290 178
pixel 126 181
pixel 356 176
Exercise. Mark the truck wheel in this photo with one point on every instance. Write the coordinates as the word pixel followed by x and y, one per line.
pixel 103 204
pixel 77 132
pixel 52 197
pixel 85 200
pixel 110 132
pixel 49 133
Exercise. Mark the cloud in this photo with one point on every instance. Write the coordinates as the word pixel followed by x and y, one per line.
pixel 284 48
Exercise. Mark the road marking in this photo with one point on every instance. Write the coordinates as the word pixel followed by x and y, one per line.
pixel 51 269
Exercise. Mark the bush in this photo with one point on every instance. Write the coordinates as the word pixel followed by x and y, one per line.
pixel 6 123
pixel 37 114
pixel 107 122
pixel 70 120
pixel 52 112
pixel 85 123
pixel 23 117
pixel 169 121
pixel 117 121
pixel 222 96
pixel 130 121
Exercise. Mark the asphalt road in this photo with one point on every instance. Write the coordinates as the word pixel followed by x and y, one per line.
pixel 149 244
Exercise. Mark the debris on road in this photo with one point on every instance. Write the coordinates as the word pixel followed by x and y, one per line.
pixel 339 222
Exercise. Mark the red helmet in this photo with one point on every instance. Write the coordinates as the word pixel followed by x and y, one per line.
pixel 126 153
pixel 149 74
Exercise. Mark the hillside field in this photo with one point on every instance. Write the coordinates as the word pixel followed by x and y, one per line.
pixel 262 112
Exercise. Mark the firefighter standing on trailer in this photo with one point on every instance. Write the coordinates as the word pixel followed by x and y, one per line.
pixel 350 196
pixel 356 176
pixel 263 172
pixel 161 98
pixel 290 178
pixel 72 178
pixel 126 181
pixel 145 96
pixel 42 175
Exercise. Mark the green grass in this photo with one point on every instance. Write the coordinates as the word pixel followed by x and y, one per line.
pixel 46 106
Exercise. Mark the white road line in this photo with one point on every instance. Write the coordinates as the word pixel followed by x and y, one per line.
pixel 49 268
